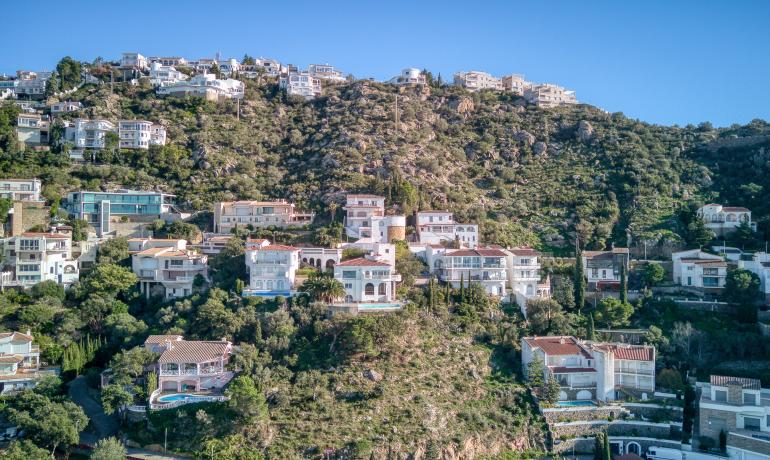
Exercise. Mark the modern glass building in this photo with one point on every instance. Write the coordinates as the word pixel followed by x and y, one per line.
pixel 97 207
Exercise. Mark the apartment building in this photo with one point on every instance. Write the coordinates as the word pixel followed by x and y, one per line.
pixel 33 257
pixel 20 189
pixel 19 362
pixel 191 365
pixel 300 83
pixel 487 267
pixel 32 129
pixel 326 72
pixel 759 264
pixel 227 67
pixel 166 267
pixel 134 62
pixel 165 75
pixel 368 281
pixel 258 214
pixel 524 276
pixel 698 269
pixel 409 77
pixel 587 370
pixel 212 243
pixel 515 83
pixel 366 219
pixel 602 268
pixel 262 67
pixel 89 134
pixel 439 227
pixel 207 86
pixel 740 408
pixel 168 61
pixel 140 134
pixel 99 209
pixel 65 107
pixel 549 95
pixel 272 269
pixel 476 81
pixel 723 220
pixel 31 85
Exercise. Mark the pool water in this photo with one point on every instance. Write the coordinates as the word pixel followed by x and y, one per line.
pixel 181 397
pixel 378 306
pixel 575 404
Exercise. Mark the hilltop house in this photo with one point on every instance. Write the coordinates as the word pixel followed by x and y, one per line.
pixel 31 85
pixel 65 107
pixel 369 282
pixel 257 214
pixel 409 77
pixel 98 208
pixel 593 370
pixel 300 83
pixel 759 264
pixel 488 267
pixel 723 220
pixel 207 86
pixel 437 227
pixel 548 95
pixel 32 129
pixel 326 72
pixel 366 219
pixel 271 268
pixel 515 83
pixel 166 267
pixel 191 365
pixel 88 134
pixel 19 362
pixel 165 75
pixel 33 257
pixel 140 134
pixel 20 189
pixel 740 408
pixel 476 81
pixel 602 268
pixel 523 268
pixel 695 268
pixel 133 64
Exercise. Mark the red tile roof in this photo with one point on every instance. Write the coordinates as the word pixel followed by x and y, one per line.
pixel 629 352
pixel 592 254
pixel 524 252
pixel 362 262
pixel 195 352
pixel 158 339
pixel 16 336
pixel 734 209
pixel 47 235
pixel 278 247
pixel 558 345
pixel 745 382
pixel 364 195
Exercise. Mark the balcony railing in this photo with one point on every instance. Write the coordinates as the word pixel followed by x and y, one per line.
pixel 624 370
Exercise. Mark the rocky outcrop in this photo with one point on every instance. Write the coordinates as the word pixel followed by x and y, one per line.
pixel 525 137
pixel 539 148
pixel 463 105
pixel 584 131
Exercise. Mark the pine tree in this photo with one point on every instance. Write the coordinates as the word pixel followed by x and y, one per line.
pixel 623 283
pixel 579 281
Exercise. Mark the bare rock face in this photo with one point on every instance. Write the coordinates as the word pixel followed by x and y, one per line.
pixel 372 375
pixel 539 148
pixel 463 106
pixel 525 137
pixel 585 131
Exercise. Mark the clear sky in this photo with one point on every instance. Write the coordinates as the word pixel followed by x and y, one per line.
pixel 662 61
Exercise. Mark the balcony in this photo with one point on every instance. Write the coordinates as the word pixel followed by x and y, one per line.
pixel 634 371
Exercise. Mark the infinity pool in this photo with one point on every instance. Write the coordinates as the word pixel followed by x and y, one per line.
pixel 183 397
pixel 379 306
pixel 575 403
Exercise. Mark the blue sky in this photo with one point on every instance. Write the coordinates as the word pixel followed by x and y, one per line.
pixel 667 62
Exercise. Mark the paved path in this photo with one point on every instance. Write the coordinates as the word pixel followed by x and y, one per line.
pixel 101 425
pixel 150 455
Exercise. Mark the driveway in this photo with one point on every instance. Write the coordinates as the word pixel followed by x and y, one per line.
pixel 101 425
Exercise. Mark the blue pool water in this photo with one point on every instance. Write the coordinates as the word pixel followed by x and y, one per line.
pixel 268 294
pixel 378 306
pixel 575 403
pixel 180 397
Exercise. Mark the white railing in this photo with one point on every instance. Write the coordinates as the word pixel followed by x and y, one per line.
pixel 193 400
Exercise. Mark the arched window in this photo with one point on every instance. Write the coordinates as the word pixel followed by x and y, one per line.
pixel 381 289
pixel 369 289
pixel 530 290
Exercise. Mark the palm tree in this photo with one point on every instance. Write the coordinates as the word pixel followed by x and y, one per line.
pixel 333 210
pixel 323 288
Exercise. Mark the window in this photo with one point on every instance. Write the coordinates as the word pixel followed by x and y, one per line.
pixel 369 289
pixel 749 399
pixel 381 289
pixel 751 423
pixel 720 395
pixel 349 275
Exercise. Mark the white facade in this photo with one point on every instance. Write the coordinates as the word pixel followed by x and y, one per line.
pixel 227 67
pixel 19 362
pixel 593 370
pixel 66 107
pixel 695 268
pixel 166 266
pixel 301 83
pixel 140 134
pixel 32 257
pixel 205 85
pixel 20 189
pixel 262 67
pixel 367 280
pixel 524 276
pixel 258 214
pixel 168 61
pixel 548 95
pixel 134 61
pixel 759 264
pixel 724 219
pixel 366 219
pixel 272 269
pixel 476 81
pixel 515 83
pixel 89 134
pixel 326 72
pixel 31 84
pixel 487 267
pixel 408 77
pixel 437 227
pixel 32 129
pixel 164 75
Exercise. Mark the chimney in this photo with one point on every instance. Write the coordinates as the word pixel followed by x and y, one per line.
pixel 29 331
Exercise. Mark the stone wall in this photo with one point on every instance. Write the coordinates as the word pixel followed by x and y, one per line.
pixel 748 443
pixel 655 412
pixel 721 420
pixel 586 445
pixel 572 414
pixel 615 428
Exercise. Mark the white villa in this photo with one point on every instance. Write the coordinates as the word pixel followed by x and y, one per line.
pixel 698 269
pixel 487 267
pixel 134 61
pixel 476 81
pixel 548 95
pixel 408 77
pixel 602 268
pixel 34 257
pixel 30 84
pixel 759 264
pixel 166 266
pixel 65 107
pixel 32 129
pixel 300 83
pixel 20 189
pixel 593 370
pixel 190 365
pixel 272 269
pixel 140 134
pixel 326 72
pixel 366 219
pixel 524 276
pixel 19 362
pixel 89 134
pixel 367 280
pixel 723 220
pixel 259 214
pixel 437 227
pixel 206 86
pixel 164 75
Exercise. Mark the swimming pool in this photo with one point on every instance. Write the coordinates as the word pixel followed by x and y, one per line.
pixel 183 397
pixel 379 306
pixel 575 403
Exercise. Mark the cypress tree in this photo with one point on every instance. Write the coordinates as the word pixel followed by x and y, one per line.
pixel 598 446
pixel 623 283
pixel 579 281
pixel 448 294
pixel 607 453
pixel 462 287
pixel 591 331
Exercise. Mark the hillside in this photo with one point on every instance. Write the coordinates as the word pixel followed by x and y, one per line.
pixel 528 175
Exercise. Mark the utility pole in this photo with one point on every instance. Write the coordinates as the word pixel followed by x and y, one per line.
pixel 396 112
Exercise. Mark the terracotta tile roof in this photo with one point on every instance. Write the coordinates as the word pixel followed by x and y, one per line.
pixel 153 251
pixel 571 370
pixel 278 247
pixel 362 262
pixel 10 359
pixel 436 211
pixel 745 382
pixel 364 195
pixel 46 235
pixel 157 339
pixel 558 345
pixel 16 336
pixel 629 352
pixel 249 240
pixel 735 209
pixel 195 352
pixel 592 254
pixel 524 252
pixel 256 203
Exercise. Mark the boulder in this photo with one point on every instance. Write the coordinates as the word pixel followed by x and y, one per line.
pixel 525 137
pixel 539 148
pixel 372 375
pixel 584 131
pixel 463 106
